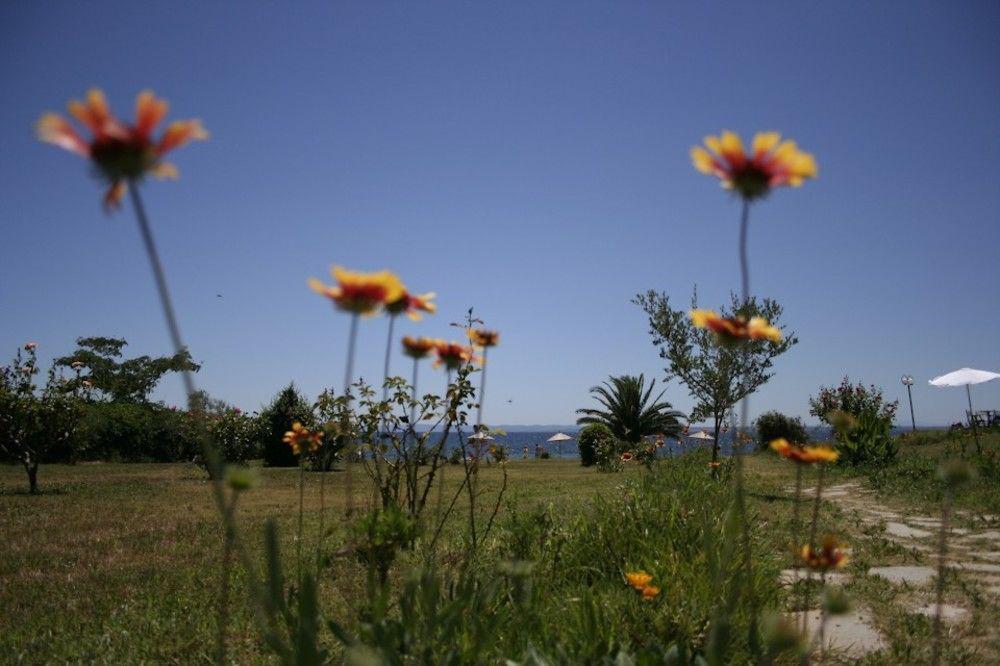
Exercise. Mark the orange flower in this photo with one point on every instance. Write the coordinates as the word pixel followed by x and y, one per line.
pixel 830 555
pixel 419 347
pixel 650 592
pixel 806 455
pixel 30 345
pixel 638 579
pixel 121 152
pixel 733 329
pixel 773 163
pixel 300 438
pixel 626 457
pixel 714 464
pixel 483 338
pixel 360 293
pixel 452 355
pixel 413 306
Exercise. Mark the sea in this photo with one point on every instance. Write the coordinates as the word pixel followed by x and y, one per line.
pixel 524 441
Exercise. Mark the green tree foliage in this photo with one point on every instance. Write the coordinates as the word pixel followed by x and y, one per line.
pixel 36 423
pixel 868 439
pixel 717 375
pixel 128 380
pixel 773 425
pixel 287 407
pixel 591 439
pixel 629 410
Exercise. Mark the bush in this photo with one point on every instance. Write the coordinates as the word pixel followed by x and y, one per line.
pixel 137 432
pixel 590 439
pixel 276 419
pixel 234 435
pixel 608 455
pixel 544 455
pixel 773 425
pixel 870 442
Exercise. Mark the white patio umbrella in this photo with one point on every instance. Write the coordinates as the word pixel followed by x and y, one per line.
pixel 701 434
pixel 559 438
pixel 965 377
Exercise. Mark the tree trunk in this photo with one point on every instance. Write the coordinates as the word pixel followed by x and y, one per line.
pixel 31 467
pixel 715 443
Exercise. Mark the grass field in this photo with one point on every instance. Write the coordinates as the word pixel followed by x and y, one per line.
pixel 119 563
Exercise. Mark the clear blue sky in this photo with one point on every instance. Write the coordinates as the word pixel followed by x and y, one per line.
pixel 530 159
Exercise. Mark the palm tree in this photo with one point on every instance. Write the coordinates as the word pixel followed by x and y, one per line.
pixel 627 410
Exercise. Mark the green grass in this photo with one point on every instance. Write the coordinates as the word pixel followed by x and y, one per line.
pixel 120 563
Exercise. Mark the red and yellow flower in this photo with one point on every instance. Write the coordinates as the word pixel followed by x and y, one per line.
pixel 413 306
pixel 480 337
pixel 121 152
pixel 638 579
pixel 453 355
pixel 830 555
pixel 360 293
pixel 419 347
pixel 734 329
pixel 626 457
pixel 806 455
pixel 771 164
pixel 649 592
pixel 301 439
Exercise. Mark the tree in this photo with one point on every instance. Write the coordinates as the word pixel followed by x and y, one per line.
pixel 628 411
pixel 591 439
pixel 717 374
pixel 34 422
pixel 774 425
pixel 276 419
pixel 130 380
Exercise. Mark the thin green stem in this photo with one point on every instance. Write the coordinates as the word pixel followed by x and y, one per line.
pixel 227 556
pixel 352 337
pixel 388 357
pixel 812 545
pixel 939 592
pixel 298 535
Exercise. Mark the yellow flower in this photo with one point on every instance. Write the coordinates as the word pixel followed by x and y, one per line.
pixel 734 329
pixel 452 355
pixel 807 455
pixel 419 347
pixel 830 555
pixel 773 163
pixel 413 305
pixel 650 592
pixel 821 454
pixel 300 438
pixel 638 579
pixel 360 293
pixel 483 338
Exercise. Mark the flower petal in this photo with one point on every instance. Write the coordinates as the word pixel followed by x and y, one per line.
pixel 764 142
pixel 179 133
pixel 164 170
pixel 149 111
pixel 53 128
pixel 113 197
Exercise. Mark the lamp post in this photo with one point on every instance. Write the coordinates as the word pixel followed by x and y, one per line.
pixel 908 383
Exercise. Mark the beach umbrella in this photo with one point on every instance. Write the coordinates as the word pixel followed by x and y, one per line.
pixel 701 434
pixel 559 438
pixel 965 377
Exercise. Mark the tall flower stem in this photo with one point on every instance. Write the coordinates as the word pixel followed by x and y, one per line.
pixel 413 394
pixel 352 338
pixel 298 534
pixel 388 356
pixel 939 592
pixel 227 557
pixel 479 410
pixel 741 434
pixel 795 523
pixel 812 545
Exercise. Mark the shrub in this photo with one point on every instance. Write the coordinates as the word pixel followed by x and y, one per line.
pixel 608 455
pixel 869 442
pixel 590 440
pixel 234 435
pixel 852 399
pixel 138 432
pixel 773 425
pixel 276 419
pixel 544 455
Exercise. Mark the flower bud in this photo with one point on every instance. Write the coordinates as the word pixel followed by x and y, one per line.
pixel 955 473
pixel 240 478
pixel 836 601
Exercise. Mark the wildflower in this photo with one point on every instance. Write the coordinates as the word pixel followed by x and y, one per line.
pixel 452 355
pixel 638 579
pixel 807 455
pixel 732 329
pixel 649 592
pixel 714 464
pixel 830 555
pixel 30 346
pixel 300 438
pixel 483 338
pixel 419 347
pixel 121 152
pixel 773 163
pixel 626 457
pixel 412 305
pixel 360 293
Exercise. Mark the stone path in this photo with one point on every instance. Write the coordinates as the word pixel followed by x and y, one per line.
pixel 974 552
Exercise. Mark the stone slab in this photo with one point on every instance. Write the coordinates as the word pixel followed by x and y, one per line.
pixel 904 574
pixel 852 634
pixel 904 531
pixel 787 577
pixel 949 613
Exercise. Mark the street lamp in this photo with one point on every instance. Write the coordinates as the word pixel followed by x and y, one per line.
pixel 908 383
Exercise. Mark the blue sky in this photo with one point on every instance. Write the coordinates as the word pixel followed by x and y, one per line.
pixel 530 159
